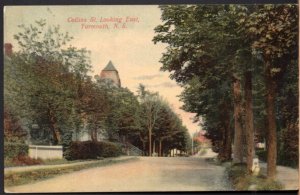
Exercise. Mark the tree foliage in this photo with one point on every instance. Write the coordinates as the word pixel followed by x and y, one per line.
pixel 42 86
pixel 211 47
pixel 48 93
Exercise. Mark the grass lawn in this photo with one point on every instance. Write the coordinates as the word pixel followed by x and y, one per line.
pixel 10 163
pixel 242 181
pixel 19 178
pixel 61 161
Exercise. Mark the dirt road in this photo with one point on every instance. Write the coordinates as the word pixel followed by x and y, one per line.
pixel 145 174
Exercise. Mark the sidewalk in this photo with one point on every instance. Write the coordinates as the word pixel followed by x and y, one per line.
pixel 35 167
pixel 287 176
pixel 208 154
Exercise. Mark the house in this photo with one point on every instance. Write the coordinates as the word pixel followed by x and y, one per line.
pixel 111 73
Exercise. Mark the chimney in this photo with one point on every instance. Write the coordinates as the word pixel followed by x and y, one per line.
pixel 8 49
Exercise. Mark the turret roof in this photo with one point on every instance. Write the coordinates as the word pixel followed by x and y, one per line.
pixel 110 67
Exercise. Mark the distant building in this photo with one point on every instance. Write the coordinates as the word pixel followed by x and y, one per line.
pixel 111 73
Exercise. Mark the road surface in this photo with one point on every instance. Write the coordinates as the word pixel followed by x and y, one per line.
pixel 144 174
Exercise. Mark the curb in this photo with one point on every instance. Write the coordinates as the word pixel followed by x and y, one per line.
pixel 37 167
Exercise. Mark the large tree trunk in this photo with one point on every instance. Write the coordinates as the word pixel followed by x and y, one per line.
pixel 94 135
pixel 160 148
pixel 271 124
pixel 150 141
pixel 54 128
pixel 144 144
pixel 153 147
pixel 144 148
pixel 228 141
pixel 238 146
pixel 226 150
pixel 249 128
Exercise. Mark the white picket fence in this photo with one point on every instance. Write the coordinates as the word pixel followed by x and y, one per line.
pixel 45 152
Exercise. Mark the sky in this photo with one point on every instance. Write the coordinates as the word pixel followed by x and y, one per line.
pixel 122 34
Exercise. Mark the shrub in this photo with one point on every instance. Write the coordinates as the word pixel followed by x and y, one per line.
pixel 82 150
pixel 66 142
pixel 283 158
pixel 26 160
pixel 12 150
pixel 288 151
pixel 92 150
pixel 262 154
pixel 108 149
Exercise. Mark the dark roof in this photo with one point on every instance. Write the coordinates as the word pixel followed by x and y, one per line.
pixel 110 67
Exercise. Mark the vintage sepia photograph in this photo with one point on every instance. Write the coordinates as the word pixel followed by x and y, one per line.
pixel 151 98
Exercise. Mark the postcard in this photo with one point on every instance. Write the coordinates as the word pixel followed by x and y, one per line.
pixel 139 98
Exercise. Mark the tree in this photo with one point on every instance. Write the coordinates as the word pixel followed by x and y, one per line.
pixel 160 126
pixel 287 115
pixel 94 107
pixel 123 114
pixel 274 29
pixel 196 57
pixel 168 125
pixel 150 105
pixel 45 73
pixel 213 47
pixel 237 151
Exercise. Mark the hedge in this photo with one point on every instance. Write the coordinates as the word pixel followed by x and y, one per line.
pixel 91 150
pixel 262 154
pixel 12 150
pixel 66 142
pixel 281 158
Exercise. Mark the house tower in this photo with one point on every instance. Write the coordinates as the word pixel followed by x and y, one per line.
pixel 111 73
